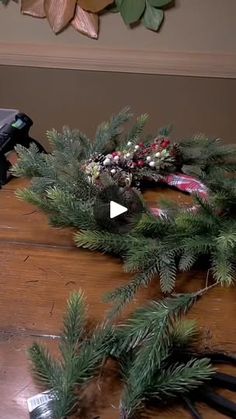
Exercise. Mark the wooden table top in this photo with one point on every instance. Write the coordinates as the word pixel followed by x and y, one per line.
pixel 40 267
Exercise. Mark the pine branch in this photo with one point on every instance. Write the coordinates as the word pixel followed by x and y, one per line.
pixel 193 170
pixel 185 334
pixel 30 162
pixel 134 135
pixel 207 208
pixel 167 271
pixel 62 210
pixel 165 131
pixel 41 184
pixel 225 201
pixel 199 244
pixel 75 367
pixel 145 320
pixel 93 352
pixel 83 220
pixel 149 255
pixel 221 152
pixel 108 131
pixel 206 154
pixel 71 212
pixel 74 321
pixel 66 399
pixel 104 241
pixel 223 268
pixel 226 241
pixel 150 356
pixel 168 383
pixel 153 259
pixel 187 260
pixel 45 368
pixel 153 227
pixel 70 142
pixel 33 198
pixel 144 346
pixel 80 368
pixel 181 378
pixel 124 295
pixel 142 255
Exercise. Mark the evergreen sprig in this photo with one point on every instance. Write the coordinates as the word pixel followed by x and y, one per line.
pixel 104 241
pixel 45 368
pixel 107 132
pixel 153 335
pixel 149 319
pixel 149 347
pixel 81 356
pixel 180 378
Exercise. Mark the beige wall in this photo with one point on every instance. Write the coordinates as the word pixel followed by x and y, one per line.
pixel 193 25
pixel 54 97
pixel 82 99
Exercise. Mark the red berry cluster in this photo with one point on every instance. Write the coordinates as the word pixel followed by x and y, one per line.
pixel 139 159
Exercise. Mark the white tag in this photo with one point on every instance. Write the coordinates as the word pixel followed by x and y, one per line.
pixel 39 399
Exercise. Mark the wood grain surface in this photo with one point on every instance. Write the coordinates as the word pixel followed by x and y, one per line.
pixel 40 267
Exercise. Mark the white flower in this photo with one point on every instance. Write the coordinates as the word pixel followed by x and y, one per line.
pixel 157 154
pixel 113 171
pixel 129 143
pixel 148 158
pixel 152 164
pixel 136 147
pixel 107 162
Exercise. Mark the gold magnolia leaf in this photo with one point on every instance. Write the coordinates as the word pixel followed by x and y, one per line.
pixel 94 5
pixel 59 13
pixel 86 22
pixel 33 8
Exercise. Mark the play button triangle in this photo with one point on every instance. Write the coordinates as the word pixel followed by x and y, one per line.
pixel 116 209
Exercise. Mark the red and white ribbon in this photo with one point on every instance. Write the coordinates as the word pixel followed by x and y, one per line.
pixel 183 183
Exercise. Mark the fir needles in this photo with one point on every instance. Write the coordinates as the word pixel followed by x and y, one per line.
pixel 153 349
pixel 66 183
pixel 80 358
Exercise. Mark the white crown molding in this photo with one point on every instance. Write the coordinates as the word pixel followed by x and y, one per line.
pixel 119 60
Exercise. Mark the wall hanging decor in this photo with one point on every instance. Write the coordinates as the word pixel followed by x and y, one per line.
pixel 76 182
pixel 84 15
pixel 5 2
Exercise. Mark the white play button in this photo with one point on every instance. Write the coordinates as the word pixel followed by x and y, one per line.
pixel 116 209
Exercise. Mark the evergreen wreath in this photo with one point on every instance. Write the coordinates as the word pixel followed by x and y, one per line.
pixel 66 183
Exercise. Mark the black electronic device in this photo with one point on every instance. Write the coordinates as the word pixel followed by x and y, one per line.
pixel 11 134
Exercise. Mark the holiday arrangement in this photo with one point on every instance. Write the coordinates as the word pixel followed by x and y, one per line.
pixel 84 15
pixel 74 185
pixel 68 183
